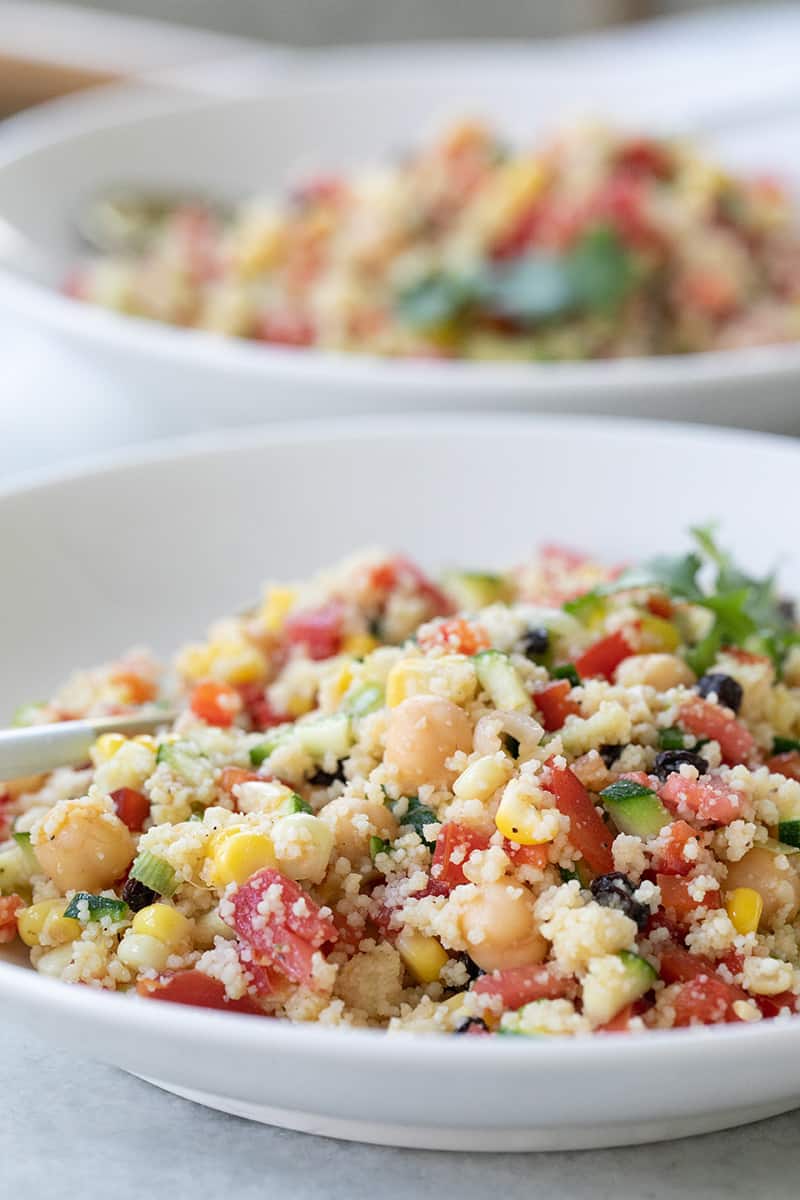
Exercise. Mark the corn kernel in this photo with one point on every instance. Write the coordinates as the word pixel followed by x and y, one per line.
pixel 164 922
pixel 744 906
pixel 148 741
pixel 452 676
pixel 194 662
pixel 360 644
pixel 142 952
pixel 106 746
pixel 522 822
pixel 236 854
pixel 276 608
pixel 239 663
pixel 424 956
pixel 298 706
pixel 481 779
pixel 658 636
pixel 342 682
pixel 44 924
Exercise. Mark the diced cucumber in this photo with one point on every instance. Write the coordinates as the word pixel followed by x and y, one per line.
pixel 635 809
pixel 17 865
pixel 672 739
pixel 184 760
pixel 498 675
pixel 97 908
pixel 262 750
pixel 782 745
pixel 789 833
pixel 364 700
pixel 378 845
pixel 295 804
pixel 328 738
pixel 154 872
pixel 473 590
pixel 614 981
pixel 567 671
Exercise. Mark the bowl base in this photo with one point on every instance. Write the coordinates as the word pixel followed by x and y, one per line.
pixel 426 1137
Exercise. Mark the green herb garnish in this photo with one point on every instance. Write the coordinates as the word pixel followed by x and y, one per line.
pixel 567 671
pixel 96 908
pixel 417 816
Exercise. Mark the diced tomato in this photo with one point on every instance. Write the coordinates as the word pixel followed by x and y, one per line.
pixel 402 572
pixel 706 1000
pixel 521 985
pixel 771 1006
pixel 643 156
pixel 454 845
pixel 676 896
pixel 707 720
pixel 562 558
pixel 194 230
pixel 640 777
pixel 622 1021
pixel 132 807
pixel 288 933
pixel 603 657
pixel 660 920
pixel 554 704
pixel 707 798
pixel 195 988
pixel 711 291
pixel 9 907
pixel 621 203
pixel 231 777
pixel 660 606
pixel 528 856
pixel 787 764
pixel 733 960
pixel 456 635
pixel 587 831
pixel 258 708
pixel 746 656
pixel 76 285
pixel 286 329
pixel 678 965
pixel 514 240
pixel 670 859
pixel 317 630
pixel 216 703
pixel 324 189
pixel 137 690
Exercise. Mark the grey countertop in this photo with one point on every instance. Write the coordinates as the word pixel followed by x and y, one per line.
pixel 73 1128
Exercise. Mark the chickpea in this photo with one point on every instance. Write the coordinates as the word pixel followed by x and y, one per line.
pixel 88 850
pixel 498 924
pixel 778 885
pixel 424 731
pixel 659 671
pixel 353 822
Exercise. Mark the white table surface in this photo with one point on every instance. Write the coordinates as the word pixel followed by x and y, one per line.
pixel 74 1128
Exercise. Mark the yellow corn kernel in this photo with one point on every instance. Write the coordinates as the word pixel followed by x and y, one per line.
pixel 194 662
pixel 481 779
pixel 148 741
pixel 236 854
pixel 360 644
pixel 276 608
pixel 424 956
pixel 44 924
pixel 164 922
pixel 452 676
pixel 238 663
pixel 524 823
pixel 342 682
pixel 298 706
pixel 142 952
pixel 658 636
pixel 106 747
pixel 744 907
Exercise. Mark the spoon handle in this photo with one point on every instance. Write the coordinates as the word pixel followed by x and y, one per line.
pixel 40 748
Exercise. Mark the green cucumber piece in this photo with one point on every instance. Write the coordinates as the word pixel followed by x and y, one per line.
pixel 789 833
pixel 782 745
pixel 97 908
pixel 17 865
pixel 474 590
pixel 326 737
pixel 499 677
pixel 417 816
pixel 606 991
pixel 378 845
pixel 296 804
pixel 184 760
pixel 262 750
pixel 672 739
pixel 154 873
pixel 364 700
pixel 634 809
pixel 567 671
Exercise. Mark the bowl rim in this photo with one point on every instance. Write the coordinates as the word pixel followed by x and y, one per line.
pixel 127 105
pixel 186 1024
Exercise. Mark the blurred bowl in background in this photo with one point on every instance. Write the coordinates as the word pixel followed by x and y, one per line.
pixel 338 115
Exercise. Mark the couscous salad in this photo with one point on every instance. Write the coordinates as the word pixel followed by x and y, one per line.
pixel 594 245
pixel 564 799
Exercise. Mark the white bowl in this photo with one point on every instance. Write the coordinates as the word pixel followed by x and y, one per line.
pixel 151 547
pixel 339 115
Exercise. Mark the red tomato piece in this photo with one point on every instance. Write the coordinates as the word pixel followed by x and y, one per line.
pixel 286 329
pixel 660 606
pixel 618 1024
pixel 195 988
pixel 787 764
pixel 9 907
pixel 706 1000
pixel 643 156
pixel 603 657
pixel 231 777
pixel 771 1006
pixel 132 807
pixel 258 708
pixel 676 896
pixel 317 630
pixel 528 856
pixel 554 704
pixel 588 832
pixel 454 845
pixel 707 798
pixel 679 966
pixel 137 689
pixel 288 932
pixel 520 985
pixel 456 635
pixel 670 859
pixel 518 236
pixel 216 703
pixel 707 720
pixel 402 572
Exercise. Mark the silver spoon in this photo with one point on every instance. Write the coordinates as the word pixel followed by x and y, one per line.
pixel 40 748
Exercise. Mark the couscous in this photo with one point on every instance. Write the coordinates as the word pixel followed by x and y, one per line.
pixel 558 800
pixel 595 245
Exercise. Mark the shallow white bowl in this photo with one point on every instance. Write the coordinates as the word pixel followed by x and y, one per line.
pixel 341 114
pixel 151 547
